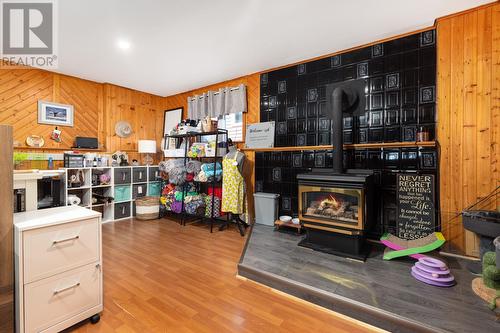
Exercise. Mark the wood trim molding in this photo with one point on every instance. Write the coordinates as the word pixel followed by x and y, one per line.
pixel 391 145
pixel 349 146
pixel 42 149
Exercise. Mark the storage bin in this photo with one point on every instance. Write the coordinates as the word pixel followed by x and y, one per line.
pixel 174 153
pixel 122 175
pixel 266 208
pixel 139 190
pixel 154 189
pixel 139 174
pixel 122 193
pixel 122 210
pixel 210 151
pixel 147 208
pixel 154 174
pixel 74 161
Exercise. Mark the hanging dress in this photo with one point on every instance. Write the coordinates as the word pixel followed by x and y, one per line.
pixel 233 194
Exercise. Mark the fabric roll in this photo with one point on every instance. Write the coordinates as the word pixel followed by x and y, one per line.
pixel 73 200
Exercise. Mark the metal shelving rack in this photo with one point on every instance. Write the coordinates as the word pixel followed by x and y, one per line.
pixel 216 158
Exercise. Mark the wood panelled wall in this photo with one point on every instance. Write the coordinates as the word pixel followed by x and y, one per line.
pixel 144 111
pixel 252 83
pixel 97 108
pixel 468 116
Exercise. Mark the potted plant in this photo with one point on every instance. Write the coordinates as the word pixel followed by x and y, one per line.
pixel 19 160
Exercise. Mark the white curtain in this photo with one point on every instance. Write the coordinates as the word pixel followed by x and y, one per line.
pixel 197 106
pixel 218 103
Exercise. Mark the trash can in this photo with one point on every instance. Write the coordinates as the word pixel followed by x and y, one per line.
pixel 266 208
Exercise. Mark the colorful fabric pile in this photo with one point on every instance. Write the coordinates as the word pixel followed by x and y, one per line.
pixel 180 193
pixel 193 166
pixel 195 204
pixel 216 207
pixel 168 196
pixel 175 169
pixel 208 172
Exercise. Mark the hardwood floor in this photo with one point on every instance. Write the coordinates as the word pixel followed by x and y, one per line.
pixel 162 277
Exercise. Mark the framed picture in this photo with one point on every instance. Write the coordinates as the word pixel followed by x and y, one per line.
pixel 55 114
pixel 171 118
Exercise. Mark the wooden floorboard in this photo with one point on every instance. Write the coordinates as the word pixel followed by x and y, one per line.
pixel 162 277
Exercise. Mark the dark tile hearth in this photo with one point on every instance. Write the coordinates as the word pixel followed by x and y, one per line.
pixel 379 292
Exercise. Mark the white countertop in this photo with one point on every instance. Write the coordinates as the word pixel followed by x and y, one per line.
pixel 27 176
pixel 36 174
pixel 52 216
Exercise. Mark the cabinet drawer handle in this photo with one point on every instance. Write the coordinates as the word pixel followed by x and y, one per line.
pixel 57 291
pixel 140 175
pixel 124 176
pixel 65 240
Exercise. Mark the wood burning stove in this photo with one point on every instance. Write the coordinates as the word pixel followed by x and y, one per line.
pixel 336 205
pixel 336 211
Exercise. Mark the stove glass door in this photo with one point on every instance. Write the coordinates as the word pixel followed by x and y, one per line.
pixel 330 205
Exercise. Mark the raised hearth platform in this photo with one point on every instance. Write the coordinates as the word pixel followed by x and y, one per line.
pixel 380 293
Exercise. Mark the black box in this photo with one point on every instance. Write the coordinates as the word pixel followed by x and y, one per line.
pixel 86 143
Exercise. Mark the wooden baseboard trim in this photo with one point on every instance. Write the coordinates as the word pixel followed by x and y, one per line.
pixel 460 256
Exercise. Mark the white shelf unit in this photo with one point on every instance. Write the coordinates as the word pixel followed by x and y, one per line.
pixel 127 183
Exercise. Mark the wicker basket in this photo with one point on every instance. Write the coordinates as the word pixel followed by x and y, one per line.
pixel 208 125
pixel 147 208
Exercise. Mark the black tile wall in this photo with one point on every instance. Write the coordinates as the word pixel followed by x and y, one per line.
pixel 400 91
pixel 400 99
pixel 276 173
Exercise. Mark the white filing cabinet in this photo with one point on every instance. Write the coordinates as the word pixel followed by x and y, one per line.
pixel 58 266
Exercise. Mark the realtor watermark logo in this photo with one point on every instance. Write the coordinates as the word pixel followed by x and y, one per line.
pixel 29 33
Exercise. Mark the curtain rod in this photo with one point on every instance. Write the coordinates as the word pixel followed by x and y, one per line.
pixel 217 93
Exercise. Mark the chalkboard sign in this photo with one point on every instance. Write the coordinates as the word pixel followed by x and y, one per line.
pixel 416 209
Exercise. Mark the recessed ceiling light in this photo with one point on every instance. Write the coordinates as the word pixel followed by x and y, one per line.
pixel 123 44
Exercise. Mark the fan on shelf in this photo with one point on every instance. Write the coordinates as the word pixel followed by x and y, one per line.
pixel 123 129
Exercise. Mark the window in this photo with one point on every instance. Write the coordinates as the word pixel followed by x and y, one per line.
pixel 233 123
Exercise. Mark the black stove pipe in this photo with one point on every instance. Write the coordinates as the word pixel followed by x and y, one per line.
pixel 343 97
pixel 336 130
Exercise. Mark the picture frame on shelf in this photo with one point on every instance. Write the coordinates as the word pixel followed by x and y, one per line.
pixel 50 113
pixel 171 118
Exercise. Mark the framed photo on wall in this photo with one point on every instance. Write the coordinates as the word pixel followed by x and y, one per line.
pixel 50 113
pixel 171 118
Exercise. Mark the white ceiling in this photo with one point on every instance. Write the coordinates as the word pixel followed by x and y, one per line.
pixel 180 45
